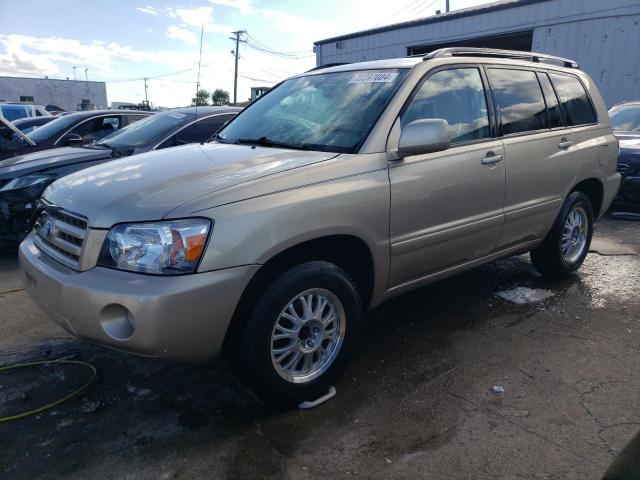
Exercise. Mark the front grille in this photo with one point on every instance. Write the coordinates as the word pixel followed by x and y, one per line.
pixel 623 167
pixel 60 234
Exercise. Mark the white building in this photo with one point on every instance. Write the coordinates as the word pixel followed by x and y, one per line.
pixel 603 36
pixel 70 95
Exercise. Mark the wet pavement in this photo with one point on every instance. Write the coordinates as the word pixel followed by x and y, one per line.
pixel 416 401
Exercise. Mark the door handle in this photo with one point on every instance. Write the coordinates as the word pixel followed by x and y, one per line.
pixel 491 159
pixel 564 143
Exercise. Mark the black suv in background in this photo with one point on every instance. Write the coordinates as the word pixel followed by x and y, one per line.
pixel 24 178
pixel 625 121
pixel 75 129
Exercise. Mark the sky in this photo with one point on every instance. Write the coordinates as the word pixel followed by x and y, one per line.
pixel 123 41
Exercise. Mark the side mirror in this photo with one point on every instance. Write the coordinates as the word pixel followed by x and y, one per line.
pixel 424 136
pixel 71 139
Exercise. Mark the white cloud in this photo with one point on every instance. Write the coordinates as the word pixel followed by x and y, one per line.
pixel 245 6
pixel 148 9
pixel 194 17
pixel 182 34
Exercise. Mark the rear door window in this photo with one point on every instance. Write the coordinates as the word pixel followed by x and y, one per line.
pixel 519 100
pixel 576 104
pixel 553 105
pixel 97 128
pixel 457 96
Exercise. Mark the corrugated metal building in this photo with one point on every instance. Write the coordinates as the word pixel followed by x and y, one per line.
pixel 71 95
pixel 603 36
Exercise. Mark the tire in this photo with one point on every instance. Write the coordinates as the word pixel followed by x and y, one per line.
pixel 255 361
pixel 550 258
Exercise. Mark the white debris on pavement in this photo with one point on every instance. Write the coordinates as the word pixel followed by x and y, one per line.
pixel 497 389
pixel 522 295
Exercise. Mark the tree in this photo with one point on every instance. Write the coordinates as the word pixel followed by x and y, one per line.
pixel 201 99
pixel 220 97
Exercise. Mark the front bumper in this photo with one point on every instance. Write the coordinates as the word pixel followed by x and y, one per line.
pixel 15 216
pixel 178 317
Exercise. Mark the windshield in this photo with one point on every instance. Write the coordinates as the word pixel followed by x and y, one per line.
pixel 53 128
pixel 625 118
pixel 332 111
pixel 146 132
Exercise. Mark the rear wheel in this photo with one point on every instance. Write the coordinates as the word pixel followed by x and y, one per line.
pixel 567 244
pixel 300 334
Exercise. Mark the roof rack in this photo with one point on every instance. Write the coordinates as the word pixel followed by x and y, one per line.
pixel 326 65
pixel 496 53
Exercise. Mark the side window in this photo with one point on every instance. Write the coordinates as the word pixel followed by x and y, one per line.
pixel 575 101
pixel 134 118
pixel 202 130
pixel 519 100
pixel 553 106
pixel 456 96
pixel 97 128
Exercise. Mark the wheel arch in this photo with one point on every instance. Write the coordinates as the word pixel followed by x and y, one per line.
pixel 594 189
pixel 349 252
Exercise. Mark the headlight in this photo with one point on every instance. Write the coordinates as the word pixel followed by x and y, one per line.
pixel 171 247
pixel 26 181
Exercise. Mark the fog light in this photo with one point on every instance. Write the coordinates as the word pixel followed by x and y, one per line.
pixel 117 322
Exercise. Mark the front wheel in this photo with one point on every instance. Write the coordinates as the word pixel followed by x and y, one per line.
pixel 300 334
pixel 567 244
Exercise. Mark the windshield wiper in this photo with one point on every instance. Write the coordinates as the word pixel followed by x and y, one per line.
pixel 97 146
pixel 267 142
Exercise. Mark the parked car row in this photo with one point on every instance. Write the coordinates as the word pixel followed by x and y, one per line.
pixel 335 191
pixel 99 136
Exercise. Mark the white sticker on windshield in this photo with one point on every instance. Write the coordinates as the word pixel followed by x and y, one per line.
pixel 374 77
pixel 177 116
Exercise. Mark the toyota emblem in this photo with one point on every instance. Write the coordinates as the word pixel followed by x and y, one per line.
pixel 47 228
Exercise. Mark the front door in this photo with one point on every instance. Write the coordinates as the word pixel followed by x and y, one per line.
pixel 447 207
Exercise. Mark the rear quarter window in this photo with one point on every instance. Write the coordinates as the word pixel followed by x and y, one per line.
pixel 575 102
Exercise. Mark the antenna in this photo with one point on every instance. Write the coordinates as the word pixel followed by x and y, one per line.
pixel 198 82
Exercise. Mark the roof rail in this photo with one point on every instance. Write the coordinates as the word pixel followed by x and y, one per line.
pixel 326 65
pixel 492 52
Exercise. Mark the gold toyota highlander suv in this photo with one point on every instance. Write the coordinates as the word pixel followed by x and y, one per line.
pixel 339 189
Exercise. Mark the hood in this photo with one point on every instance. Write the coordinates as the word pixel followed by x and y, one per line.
pixel 47 159
pixel 148 186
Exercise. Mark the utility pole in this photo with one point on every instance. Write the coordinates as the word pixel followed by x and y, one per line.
pixel 447 7
pixel 86 73
pixel 146 99
pixel 74 72
pixel 237 39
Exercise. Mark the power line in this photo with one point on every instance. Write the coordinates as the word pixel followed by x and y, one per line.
pixel 257 42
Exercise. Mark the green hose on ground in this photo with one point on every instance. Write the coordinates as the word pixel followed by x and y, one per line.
pixel 56 402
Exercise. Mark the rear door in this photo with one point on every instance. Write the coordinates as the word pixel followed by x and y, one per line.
pixel 538 168
pixel 447 207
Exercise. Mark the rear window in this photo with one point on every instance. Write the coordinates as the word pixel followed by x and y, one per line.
pixel 574 99
pixel 14 112
pixel 519 100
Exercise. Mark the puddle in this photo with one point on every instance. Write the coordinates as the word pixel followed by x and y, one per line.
pixel 524 295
